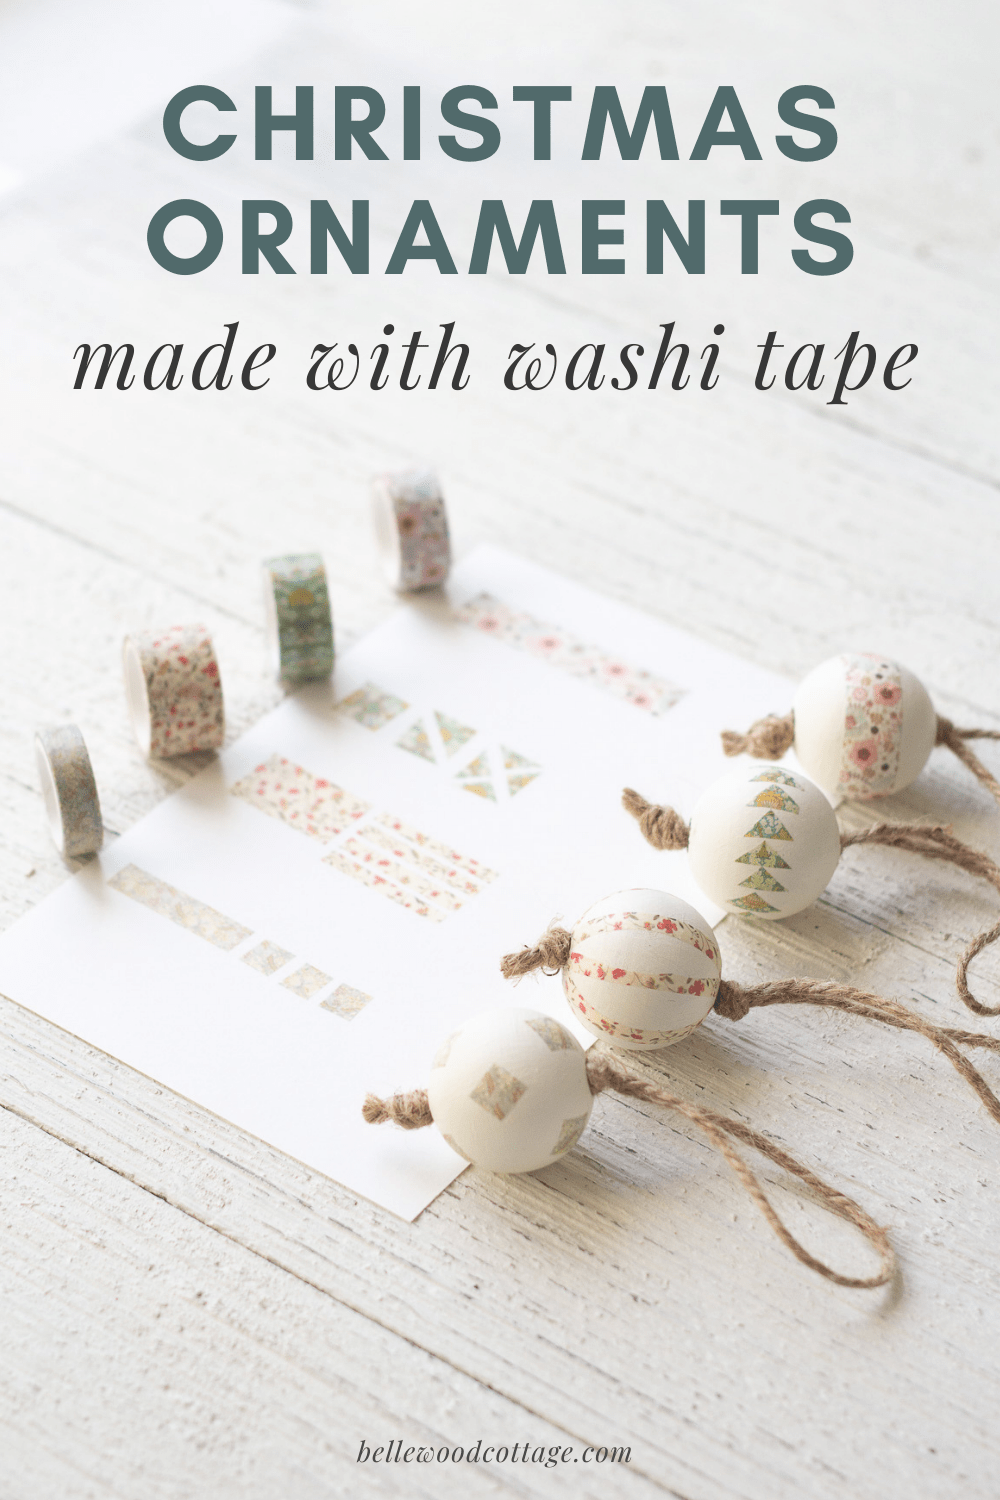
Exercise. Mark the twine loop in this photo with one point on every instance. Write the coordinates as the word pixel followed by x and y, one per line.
pixel 606 1072
pixel 412 1112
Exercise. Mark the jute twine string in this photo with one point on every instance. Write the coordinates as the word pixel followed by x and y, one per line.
pixel 660 826
pixel 955 739
pixel 665 829
pixel 769 738
pixel 936 841
pixel 734 1001
pixel 412 1112
pixel 607 1072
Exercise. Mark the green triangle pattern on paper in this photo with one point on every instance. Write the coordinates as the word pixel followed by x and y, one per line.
pixel 453 734
pixel 774 797
pixel 760 880
pixel 476 769
pixel 481 789
pixel 417 741
pixel 517 783
pixel 764 856
pixel 512 760
pixel 769 827
pixel 775 775
pixel 753 903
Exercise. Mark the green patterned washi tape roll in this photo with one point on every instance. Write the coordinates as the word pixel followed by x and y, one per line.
pixel 70 791
pixel 299 621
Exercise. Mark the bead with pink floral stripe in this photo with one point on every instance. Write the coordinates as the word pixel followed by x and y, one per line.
pixel 643 967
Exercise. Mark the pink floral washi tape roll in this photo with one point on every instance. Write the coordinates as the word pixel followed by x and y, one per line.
pixel 174 690
pixel 70 791
pixel 411 524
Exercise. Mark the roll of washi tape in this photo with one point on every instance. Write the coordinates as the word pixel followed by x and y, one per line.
pixel 70 791
pixel 411 524
pixel 174 690
pixel 299 621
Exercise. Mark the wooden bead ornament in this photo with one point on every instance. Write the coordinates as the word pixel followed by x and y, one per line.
pixel 512 1091
pixel 557 952
pixel 763 842
pixel 862 726
pixel 496 1061
pixel 781 862
pixel 642 969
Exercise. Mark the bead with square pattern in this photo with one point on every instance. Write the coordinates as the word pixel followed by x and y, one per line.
pixel 509 1090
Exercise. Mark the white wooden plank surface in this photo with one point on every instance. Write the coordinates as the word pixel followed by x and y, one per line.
pixel 183 1310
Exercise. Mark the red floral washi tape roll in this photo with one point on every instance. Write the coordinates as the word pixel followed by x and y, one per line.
pixel 411 524
pixel 174 690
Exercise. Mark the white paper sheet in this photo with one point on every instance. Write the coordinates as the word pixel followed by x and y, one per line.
pixel 278 1061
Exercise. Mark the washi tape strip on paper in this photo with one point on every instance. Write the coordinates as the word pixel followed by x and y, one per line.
pixel 385 854
pixel 568 653
pixel 265 957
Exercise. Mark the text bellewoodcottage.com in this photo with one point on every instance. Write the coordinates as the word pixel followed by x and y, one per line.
pixel 499 1453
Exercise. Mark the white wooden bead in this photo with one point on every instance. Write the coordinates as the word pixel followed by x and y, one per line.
pixel 864 725
pixel 509 1090
pixel 644 969
pixel 763 842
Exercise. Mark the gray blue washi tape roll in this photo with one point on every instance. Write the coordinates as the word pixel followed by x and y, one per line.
pixel 299 619
pixel 70 791
pixel 411 525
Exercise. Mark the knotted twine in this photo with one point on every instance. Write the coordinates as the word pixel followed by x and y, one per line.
pixel 665 829
pixel 770 737
pixel 766 739
pixel 412 1112
pixel 734 1001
